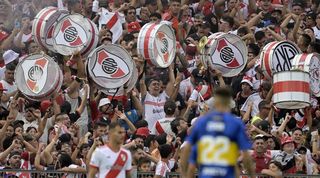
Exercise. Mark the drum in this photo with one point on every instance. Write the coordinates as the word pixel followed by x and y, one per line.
pixel 278 56
pixel 157 44
pixel 110 66
pixel 309 63
pixel 43 25
pixel 129 85
pixel 74 33
pixel 33 79
pixel 227 53
pixel 94 39
pixel 291 89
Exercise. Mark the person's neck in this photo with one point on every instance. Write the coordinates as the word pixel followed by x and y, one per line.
pixel 260 153
pixel 246 92
pixel 8 82
pixel 222 109
pixel 114 146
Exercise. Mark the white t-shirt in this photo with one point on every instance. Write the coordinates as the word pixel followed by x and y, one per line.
pixel 24 38
pixel 316 32
pixel 163 126
pixel 186 88
pixel 154 108
pixel 256 99
pixel 162 168
pixel 104 159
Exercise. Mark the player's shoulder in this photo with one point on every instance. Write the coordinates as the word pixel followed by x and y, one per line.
pixel 126 151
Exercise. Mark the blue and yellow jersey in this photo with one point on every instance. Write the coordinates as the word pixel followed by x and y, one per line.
pixel 216 140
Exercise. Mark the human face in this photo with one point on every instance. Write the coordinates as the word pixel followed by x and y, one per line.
pixel 77 8
pixel 271 144
pixel 183 125
pixel 297 10
pixel 18 130
pixel 9 76
pixel 139 141
pixel 32 132
pixel 66 148
pixel 100 131
pixel 197 21
pixel 232 4
pixel 145 167
pixel 117 135
pixel 107 108
pixel 131 15
pixel 29 114
pixel 154 88
pixel 224 26
pixel 288 147
pixel 261 42
pixel 138 154
pixel 174 8
pixel 9 131
pixel 15 161
pixel 33 48
pixel 297 136
pixel 245 87
pixel 259 145
pixel 144 13
pixel 265 5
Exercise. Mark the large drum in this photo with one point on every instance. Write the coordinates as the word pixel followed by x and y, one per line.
pixel 291 89
pixel 75 33
pixel 129 85
pixel 309 63
pixel 157 44
pixel 110 66
pixel 227 53
pixel 278 56
pixel 43 25
pixel 38 76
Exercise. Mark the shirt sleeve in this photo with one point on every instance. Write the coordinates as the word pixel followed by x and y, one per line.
pixel 242 137
pixel 95 159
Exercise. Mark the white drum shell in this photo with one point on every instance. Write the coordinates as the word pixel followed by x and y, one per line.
pixel 291 89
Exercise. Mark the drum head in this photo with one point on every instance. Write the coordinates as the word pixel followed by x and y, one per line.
pixel 71 34
pixel 314 70
pixel 110 66
pixel 228 53
pixel 37 75
pixel 282 56
pixel 164 46
pixel 130 85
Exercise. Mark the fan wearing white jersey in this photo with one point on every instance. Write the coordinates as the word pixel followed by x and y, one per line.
pixel 163 125
pixel 111 160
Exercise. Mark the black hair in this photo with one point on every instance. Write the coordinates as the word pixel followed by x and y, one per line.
pixel 128 37
pixel 150 138
pixel 161 139
pixel 11 66
pixel 259 35
pixel 141 123
pixel 65 160
pixel 156 14
pixel 262 104
pixel 223 92
pixel 174 124
pixel 306 39
pixel 276 163
pixel 255 48
pixel 165 150
pixel 169 107
pixel 228 19
pixel 141 161
pixel 244 30
pixel 33 104
pixel 65 107
pixel 113 125
pixel 99 124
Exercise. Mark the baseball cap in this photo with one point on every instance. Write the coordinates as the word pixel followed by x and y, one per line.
pixel 104 101
pixel 197 75
pixel 247 79
pixel 134 27
pixel 286 140
pixel 143 131
pixel 9 56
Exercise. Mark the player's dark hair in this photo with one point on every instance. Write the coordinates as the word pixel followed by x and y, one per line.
pixel 165 150
pixel 259 35
pixel 169 107
pixel 223 92
pixel 174 125
pixel 113 125
pixel 262 104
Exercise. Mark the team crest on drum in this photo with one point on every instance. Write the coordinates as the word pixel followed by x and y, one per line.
pixel 36 74
pixel 71 34
pixel 109 65
pixel 162 42
pixel 228 54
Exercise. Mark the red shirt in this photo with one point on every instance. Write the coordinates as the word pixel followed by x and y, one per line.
pixel 262 162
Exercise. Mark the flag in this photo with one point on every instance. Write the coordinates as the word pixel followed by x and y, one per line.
pixel 113 21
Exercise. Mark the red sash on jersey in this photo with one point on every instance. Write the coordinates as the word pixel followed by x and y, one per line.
pixel 120 162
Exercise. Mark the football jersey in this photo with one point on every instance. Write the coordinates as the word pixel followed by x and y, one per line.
pixel 105 160
pixel 216 140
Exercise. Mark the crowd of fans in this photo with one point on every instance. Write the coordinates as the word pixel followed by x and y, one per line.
pixel 63 132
